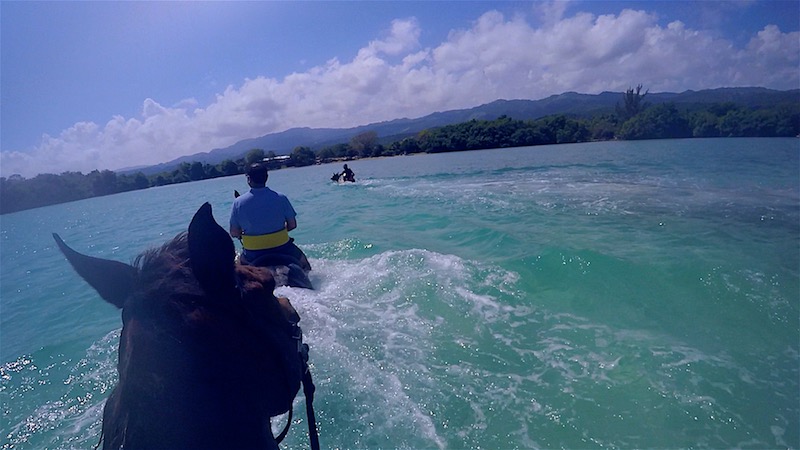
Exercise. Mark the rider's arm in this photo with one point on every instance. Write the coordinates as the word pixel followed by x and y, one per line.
pixel 236 231
pixel 291 224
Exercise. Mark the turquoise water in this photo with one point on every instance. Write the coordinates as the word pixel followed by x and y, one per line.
pixel 620 294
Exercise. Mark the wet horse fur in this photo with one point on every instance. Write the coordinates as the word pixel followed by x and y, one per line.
pixel 206 354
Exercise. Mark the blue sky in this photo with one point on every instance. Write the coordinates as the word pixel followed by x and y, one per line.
pixel 109 85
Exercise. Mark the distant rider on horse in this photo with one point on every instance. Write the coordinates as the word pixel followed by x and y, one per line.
pixel 348 175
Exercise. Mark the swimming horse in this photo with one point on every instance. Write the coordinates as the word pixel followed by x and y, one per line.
pixel 207 353
pixel 342 178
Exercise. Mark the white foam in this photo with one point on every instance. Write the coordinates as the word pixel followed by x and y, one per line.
pixel 374 327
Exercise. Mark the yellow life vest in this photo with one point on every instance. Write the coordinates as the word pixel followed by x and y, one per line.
pixel 265 241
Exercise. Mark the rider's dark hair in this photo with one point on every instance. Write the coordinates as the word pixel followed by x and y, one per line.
pixel 257 174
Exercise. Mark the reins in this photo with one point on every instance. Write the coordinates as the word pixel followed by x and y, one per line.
pixel 308 383
pixel 308 392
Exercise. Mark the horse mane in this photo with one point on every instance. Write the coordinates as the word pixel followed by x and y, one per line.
pixel 167 269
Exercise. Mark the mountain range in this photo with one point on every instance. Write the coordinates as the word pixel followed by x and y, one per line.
pixel 570 103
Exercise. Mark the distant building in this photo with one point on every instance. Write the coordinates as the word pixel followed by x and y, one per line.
pixel 276 162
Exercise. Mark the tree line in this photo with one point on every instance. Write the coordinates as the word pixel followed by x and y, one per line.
pixel 17 193
pixel 634 118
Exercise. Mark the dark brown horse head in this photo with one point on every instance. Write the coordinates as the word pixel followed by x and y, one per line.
pixel 207 353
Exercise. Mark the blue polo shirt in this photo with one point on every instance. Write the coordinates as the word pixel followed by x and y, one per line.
pixel 261 211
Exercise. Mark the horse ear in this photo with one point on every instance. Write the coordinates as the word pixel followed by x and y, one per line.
pixel 211 252
pixel 113 280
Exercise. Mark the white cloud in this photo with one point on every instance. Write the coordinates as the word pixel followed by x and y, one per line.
pixel 394 77
pixel 403 37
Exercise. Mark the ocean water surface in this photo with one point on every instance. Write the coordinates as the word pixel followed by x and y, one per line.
pixel 616 294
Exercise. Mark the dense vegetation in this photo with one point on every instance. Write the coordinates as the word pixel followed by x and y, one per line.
pixel 632 119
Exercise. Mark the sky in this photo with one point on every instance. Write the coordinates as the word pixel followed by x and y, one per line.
pixel 110 85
